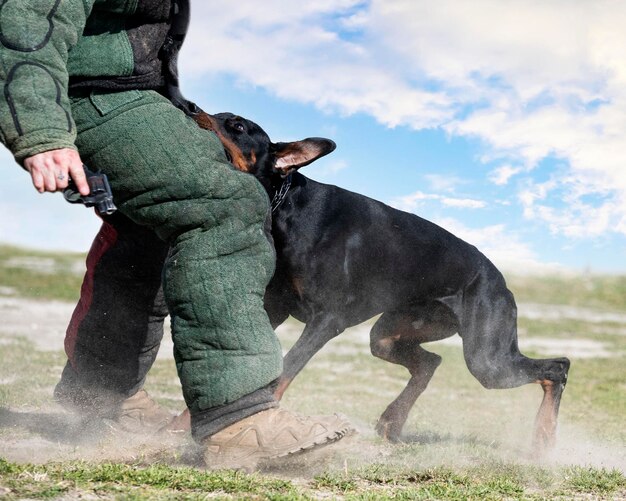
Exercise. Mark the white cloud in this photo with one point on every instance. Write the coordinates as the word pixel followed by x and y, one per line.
pixel 466 203
pixel 297 53
pixel 550 79
pixel 502 246
pixel 412 202
pixel 580 218
pixel 530 79
pixel 440 182
pixel 501 175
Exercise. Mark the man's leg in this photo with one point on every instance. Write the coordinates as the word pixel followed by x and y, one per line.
pixel 116 328
pixel 173 177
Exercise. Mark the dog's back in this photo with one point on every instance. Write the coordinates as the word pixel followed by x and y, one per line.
pixel 363 257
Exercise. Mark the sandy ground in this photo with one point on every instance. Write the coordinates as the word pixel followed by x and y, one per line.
pixel 64 437
pixel 44 323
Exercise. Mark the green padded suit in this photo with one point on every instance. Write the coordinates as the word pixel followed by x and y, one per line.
pixel 80 74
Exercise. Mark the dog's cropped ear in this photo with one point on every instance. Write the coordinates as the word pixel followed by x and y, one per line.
pixel 292 156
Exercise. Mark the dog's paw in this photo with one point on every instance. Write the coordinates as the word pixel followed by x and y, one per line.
pixel 389 430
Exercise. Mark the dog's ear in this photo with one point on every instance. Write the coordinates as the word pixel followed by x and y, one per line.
pixel 291 156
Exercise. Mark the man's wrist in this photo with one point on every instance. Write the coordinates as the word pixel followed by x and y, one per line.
pixel 39 142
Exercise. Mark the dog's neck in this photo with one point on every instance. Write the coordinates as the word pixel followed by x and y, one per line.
pixel 280 192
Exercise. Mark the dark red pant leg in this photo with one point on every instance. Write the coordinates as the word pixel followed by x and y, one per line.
pixel 117 326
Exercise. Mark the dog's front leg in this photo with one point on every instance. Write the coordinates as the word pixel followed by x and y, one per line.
pixel 318 331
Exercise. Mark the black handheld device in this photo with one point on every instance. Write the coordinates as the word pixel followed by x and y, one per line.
pixel 100 195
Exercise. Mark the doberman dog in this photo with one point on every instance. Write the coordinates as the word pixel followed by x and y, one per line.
pixel 343 258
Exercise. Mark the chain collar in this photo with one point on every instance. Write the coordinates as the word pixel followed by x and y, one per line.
pixel 279 196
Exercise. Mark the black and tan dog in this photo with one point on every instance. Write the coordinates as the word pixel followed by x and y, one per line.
pixel 343 258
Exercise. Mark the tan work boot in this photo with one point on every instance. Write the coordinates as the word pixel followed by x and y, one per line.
pixel 138 414
pixel 271 434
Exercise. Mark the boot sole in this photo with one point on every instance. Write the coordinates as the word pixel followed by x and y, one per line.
pixel 257 457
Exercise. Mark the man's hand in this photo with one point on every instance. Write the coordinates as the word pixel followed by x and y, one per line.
pixel 51 170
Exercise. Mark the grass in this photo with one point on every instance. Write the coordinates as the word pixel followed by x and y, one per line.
pixel 460 441
pixel 138 481
pixel 28 371
pixel 38 274
pixel 129 481
pixel 490 481
pixel 591 291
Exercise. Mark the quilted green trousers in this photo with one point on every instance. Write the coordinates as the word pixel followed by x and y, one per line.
pixel 173 177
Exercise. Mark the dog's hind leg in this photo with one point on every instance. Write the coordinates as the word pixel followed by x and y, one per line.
pixel 489 332
pixel 546 421
pixel 396 338
pixel 317 332
pixel 392 421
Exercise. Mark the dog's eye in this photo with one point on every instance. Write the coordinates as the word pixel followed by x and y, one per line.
pixel 239 126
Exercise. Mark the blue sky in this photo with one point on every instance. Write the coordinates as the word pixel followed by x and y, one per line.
pixel 501 120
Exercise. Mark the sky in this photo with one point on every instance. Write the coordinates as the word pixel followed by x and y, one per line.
pixel 501 120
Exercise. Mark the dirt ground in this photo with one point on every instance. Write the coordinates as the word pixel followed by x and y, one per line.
pixel 44 324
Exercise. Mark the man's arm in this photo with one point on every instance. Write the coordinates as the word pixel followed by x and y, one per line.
pixel 35 119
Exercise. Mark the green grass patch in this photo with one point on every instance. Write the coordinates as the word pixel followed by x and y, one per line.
pixel 137 481
pixel 594 481
pixel 27 375
pixel 567 329
pixel 606 292
pixel 491 481
pixel 128 481
pixel 596 397
pixel 39 274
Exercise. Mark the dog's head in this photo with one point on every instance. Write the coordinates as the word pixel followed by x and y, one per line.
pixel 250 149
